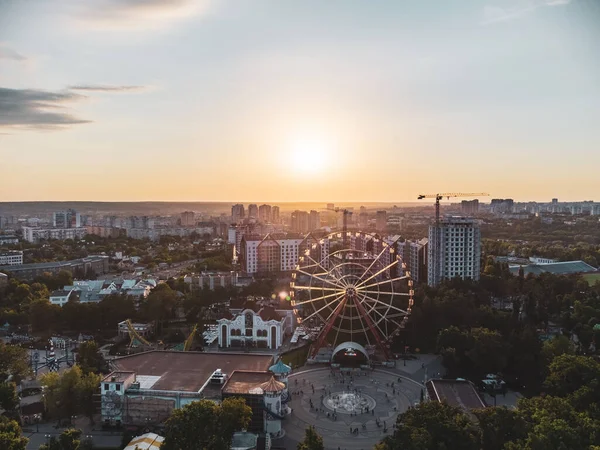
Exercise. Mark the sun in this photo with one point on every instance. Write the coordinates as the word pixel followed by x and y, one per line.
pixel 310 155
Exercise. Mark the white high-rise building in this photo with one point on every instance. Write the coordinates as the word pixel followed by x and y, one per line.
pixel 454 250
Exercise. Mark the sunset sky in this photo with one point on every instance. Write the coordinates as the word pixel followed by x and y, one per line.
pixel 288 100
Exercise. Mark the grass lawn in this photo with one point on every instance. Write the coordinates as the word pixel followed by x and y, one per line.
pixel 591 278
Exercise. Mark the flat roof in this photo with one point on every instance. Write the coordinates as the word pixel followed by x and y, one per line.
pixel 245 382
pixel 558 268
pixel 457 393
pixel 118 376
pixel 189 371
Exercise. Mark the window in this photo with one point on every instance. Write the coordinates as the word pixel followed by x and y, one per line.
pixel 118 387
pixel 106 386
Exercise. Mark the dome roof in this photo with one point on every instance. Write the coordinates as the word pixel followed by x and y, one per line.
pixel 280 367
pixel 350 346
pixel 272 386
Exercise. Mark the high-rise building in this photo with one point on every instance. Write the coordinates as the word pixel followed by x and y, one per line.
pixel 252 211
pixel 469 207
pixel 237 213
pixel 454 250
pixel 314 220
pixel 66 219
pixel 414 255
pixel 275 214
pixel 188 219
pixel 330 206
pixel 363 220
pixel 300 221
pixel 264 213
pixel 381 220
pixel 501 205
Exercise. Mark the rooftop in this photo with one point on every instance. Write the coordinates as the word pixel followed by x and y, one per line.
pixel 246 382
pixel 457 393
pixel 558 268
pixel 53 264
pixel 148 441
pixel 118 376
pixel 189 371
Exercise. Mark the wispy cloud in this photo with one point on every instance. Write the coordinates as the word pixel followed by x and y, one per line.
pixel 106 88
pixel 137 14
pixel 9 53
pixel 516 9
pixel 32 108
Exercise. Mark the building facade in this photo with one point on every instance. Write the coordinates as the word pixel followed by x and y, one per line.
pixel 98 264
pixel 11 258
pixel 66 219
pixel 262 329
pixel 454 250
pixel 35 235
pixel 237 213
pixel 264 213
pixel 188 219
pixel 300 222
pixel 269 254
pixel 381 221
pixel 252 211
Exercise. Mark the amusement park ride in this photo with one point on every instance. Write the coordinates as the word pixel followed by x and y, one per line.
pixel 357 286
pixel 50 361
pixel 136 340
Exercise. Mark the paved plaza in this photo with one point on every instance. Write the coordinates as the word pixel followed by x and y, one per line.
pixel 350 411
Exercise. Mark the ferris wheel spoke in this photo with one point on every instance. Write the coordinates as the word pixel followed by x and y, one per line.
pixel 364 329
pixel 385 247
pixel 404 294
pixel 366 299
pixel 387 319
pixel 312 300
pixel 361 287
pixel 315 288
pixel 389 266
pixel 322 308
pixel 318 278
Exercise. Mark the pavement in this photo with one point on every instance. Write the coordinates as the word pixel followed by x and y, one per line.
pixel 393 390
pixel 40 434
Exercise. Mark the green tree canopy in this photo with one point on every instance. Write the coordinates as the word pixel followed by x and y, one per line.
pixel 312 440
pixel 206 425
pixel 10 435
pixel 433 426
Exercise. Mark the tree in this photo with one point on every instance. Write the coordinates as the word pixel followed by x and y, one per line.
pixel 10 435
pixel 433 426
pixel 89 358
pixel 70 393
pixel 206 425
pixel 70 439
pixel 14 363
pixel 9 400
pixel 499 426
pixel 312 440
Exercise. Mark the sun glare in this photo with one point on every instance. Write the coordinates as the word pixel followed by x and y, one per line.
pixel 310 155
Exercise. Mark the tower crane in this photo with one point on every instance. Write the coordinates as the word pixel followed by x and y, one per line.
pixel 436 245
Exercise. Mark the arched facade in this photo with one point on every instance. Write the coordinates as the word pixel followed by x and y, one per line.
pixel 261 329
pixel 350 354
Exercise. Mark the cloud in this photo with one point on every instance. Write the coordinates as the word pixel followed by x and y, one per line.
pixel 32 108
pixel 130 15
pixel 9 53
pixel 106 88
pixel 518 9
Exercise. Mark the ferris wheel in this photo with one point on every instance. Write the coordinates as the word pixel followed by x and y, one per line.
pixel 353 285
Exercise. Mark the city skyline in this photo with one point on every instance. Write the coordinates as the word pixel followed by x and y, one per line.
pixel 296 102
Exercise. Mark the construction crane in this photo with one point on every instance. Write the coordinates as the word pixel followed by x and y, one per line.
pixel 436 245
pixel 190 340
pixel 439 197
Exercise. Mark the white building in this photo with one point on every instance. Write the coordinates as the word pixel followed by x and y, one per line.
pixel 458 244
pixel 262 329
pixel 273 253
pixel 6 239
pixel 11 258
pixel 34 234
pixel 93 291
